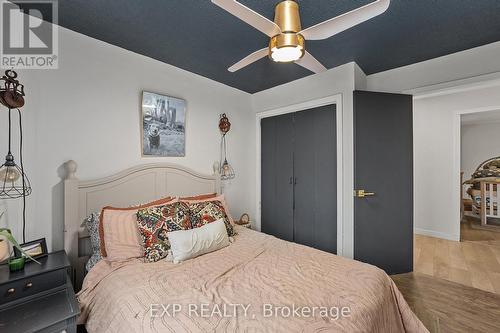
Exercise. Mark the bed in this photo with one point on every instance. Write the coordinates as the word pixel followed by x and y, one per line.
pixel 483 190
pixel 257 284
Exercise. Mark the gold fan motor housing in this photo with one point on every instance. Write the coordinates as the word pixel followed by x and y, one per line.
pixel 287 17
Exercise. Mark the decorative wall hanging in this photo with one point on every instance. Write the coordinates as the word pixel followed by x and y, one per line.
pixel 163 125
pixel 244 219
pixel 226 170
pixel 13 180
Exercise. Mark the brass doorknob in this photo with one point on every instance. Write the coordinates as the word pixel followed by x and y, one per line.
pixel 363 193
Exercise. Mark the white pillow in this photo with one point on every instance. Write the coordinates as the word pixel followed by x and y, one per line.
pixel 187 244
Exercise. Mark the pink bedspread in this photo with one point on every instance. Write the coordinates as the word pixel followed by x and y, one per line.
pixel 257 284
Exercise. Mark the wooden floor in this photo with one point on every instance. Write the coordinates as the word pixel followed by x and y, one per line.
pixel 475 261
pixel 446 307
pixel 455 286
pixel 471 230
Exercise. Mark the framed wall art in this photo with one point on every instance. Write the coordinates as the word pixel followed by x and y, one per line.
pixel 163 125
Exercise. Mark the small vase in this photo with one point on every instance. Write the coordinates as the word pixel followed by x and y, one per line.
pixel 16 264
pixel 4 249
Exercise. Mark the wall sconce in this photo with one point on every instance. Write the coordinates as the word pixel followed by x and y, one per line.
pixel 226 170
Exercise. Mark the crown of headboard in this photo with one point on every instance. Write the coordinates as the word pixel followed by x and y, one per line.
pixel 137 185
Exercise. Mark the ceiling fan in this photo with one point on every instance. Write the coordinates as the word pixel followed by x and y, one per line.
pixel 287 43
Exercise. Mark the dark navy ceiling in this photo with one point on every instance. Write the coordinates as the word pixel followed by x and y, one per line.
pixel 198 36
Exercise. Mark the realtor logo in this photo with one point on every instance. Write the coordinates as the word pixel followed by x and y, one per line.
pixel 29 38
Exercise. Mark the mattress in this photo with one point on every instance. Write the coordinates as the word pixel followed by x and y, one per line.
pixel 257 284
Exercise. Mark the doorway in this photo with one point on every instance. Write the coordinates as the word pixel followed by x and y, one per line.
pixel 473 259
pixel 480 173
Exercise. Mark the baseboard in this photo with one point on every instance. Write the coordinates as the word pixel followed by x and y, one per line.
pixel 437 234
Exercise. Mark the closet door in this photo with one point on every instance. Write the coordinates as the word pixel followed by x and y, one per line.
pixel 277 176
pixel 315 168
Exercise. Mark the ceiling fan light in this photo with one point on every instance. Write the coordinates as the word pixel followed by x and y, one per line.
pixel 287 53
pixel 286 47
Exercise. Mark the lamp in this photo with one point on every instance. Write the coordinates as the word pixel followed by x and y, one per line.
pixel 13 180
pixel 226 170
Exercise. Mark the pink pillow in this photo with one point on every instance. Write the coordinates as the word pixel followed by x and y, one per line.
pixel 120 237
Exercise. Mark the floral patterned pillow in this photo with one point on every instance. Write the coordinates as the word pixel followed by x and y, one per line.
pixel 156 222
pixel 207 212
pixel 92 224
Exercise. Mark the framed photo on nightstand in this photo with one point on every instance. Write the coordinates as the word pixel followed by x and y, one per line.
pixel 36 248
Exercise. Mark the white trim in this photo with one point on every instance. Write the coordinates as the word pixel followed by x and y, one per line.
pixel 334 99
pixel 453 87
pixel 437 234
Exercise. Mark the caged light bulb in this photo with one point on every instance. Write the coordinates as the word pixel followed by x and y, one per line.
pixel 225 169
pixel 9 175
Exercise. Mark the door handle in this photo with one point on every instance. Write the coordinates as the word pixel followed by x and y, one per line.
pixel 363 193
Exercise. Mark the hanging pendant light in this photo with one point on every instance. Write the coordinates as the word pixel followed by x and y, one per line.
pixel 226 170
pixel 13 181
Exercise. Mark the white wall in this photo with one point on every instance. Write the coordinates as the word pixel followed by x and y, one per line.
pixel 89 110
pixel 479 142
pixel 339 80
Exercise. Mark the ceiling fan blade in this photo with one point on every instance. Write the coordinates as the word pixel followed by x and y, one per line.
pixel 311 63
pixel 345 21
pixel 249 16
pixel 249 59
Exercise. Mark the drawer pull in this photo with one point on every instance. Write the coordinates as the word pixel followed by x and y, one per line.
pixel 29 285
pixel 11 291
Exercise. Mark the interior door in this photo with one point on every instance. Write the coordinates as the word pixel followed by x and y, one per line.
pixel 315 178
pixel 383 168
pixel 277 176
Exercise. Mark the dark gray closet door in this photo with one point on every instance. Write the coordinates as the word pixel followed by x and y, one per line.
pixel 276 176
pixel 383 154
pixel 315 168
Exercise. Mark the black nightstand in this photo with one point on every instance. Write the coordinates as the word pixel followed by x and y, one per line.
pixel 39 298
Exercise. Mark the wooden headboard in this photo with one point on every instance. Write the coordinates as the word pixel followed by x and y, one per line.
pixel 137 185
